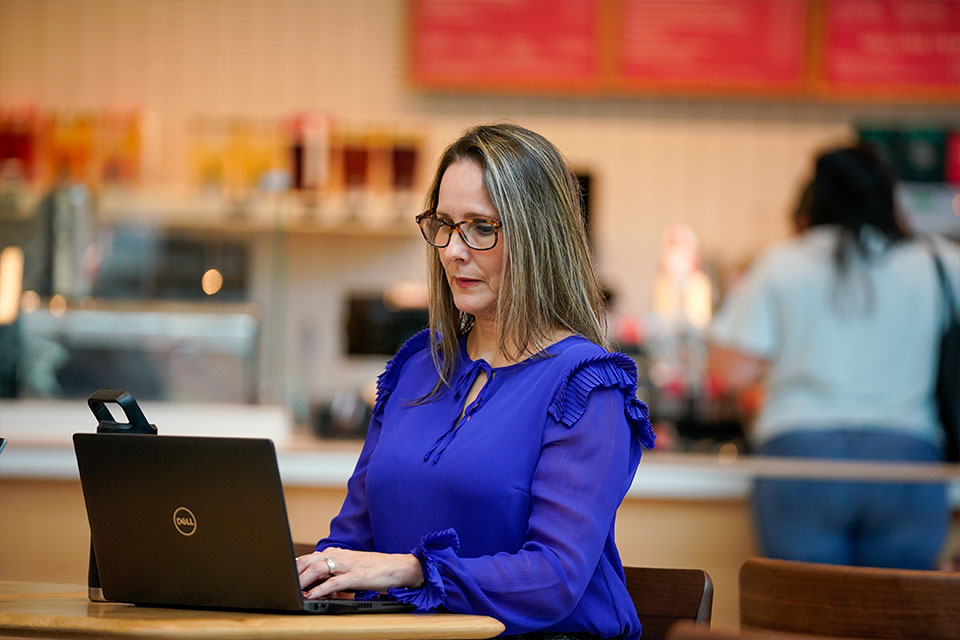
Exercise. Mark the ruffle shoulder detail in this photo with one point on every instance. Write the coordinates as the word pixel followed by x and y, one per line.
pixel 609 370
pixel 431 594
pixel 387 381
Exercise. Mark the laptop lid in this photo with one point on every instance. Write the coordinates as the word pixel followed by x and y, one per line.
pixel 191 521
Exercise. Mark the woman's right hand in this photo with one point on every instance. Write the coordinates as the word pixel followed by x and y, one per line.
pixel 333 571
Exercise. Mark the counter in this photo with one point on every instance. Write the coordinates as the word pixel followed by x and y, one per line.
pixel 39 431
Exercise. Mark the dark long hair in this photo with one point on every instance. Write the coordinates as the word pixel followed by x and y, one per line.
pixel 853 189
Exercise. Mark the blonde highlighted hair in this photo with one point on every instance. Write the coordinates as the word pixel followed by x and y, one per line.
pixel 549 280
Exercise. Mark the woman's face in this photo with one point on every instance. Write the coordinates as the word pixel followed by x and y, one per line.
pixel 474 276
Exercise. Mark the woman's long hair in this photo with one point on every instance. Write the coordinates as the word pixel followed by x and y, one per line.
pixel 853 190
pixel 549 280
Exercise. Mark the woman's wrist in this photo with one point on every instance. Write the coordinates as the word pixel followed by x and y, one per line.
pixel 417 578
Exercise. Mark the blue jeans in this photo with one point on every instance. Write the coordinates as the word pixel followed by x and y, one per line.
pixel 877 524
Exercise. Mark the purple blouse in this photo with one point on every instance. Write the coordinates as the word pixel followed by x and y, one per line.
pixel 511 507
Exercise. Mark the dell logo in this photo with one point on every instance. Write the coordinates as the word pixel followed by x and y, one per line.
pixel 185 521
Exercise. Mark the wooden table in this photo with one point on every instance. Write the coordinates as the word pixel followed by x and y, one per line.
pixel 44 610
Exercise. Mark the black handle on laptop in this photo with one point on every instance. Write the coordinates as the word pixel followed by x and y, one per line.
pixel 137 422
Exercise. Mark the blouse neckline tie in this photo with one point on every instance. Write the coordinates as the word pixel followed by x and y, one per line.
pixel 460 388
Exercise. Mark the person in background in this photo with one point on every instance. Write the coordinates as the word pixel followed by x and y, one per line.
pixel 842 324
pixel 505 436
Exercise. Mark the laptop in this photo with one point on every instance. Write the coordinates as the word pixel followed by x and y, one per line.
pixel 195 522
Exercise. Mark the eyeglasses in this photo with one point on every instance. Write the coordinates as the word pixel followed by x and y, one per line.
pixel 480 235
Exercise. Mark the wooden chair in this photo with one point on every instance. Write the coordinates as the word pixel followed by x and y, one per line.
pixel 686 630
pixel 664 596
pixel 822 599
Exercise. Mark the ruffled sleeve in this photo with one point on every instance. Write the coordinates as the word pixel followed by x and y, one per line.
pixel 610 370
pixel 431 594
pixel 387 381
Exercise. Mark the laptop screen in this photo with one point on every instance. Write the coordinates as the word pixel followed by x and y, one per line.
pixel 188 521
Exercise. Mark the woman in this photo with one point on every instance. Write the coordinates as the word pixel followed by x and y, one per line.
pixel 503 438
pixel 842 323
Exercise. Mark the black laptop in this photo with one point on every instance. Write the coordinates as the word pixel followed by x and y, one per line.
pixel 195 522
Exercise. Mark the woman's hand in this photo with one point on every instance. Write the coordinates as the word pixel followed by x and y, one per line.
pixel 338 570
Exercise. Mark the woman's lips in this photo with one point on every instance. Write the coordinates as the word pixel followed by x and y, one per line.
pixel 465 283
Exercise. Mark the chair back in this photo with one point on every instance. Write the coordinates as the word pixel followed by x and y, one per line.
pixel 822 599
pixel 664 596
pixel 685 630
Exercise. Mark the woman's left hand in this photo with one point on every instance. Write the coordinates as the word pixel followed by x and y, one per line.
pixel 339 570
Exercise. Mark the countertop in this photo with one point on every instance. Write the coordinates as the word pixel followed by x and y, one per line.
pixel 39 446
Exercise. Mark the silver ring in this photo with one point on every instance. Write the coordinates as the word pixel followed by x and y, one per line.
pixel 331 567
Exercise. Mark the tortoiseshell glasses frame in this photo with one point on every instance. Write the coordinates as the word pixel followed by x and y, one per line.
pixel 480 234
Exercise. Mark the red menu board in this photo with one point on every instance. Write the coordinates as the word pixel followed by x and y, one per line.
pixel 827 49
pixel 483 44
pixel 910 48
pixel 711 44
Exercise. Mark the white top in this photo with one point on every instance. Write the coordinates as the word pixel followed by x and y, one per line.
pixel 853 357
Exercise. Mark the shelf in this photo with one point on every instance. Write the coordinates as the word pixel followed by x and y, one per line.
pixel 285 213
pixel 243 226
